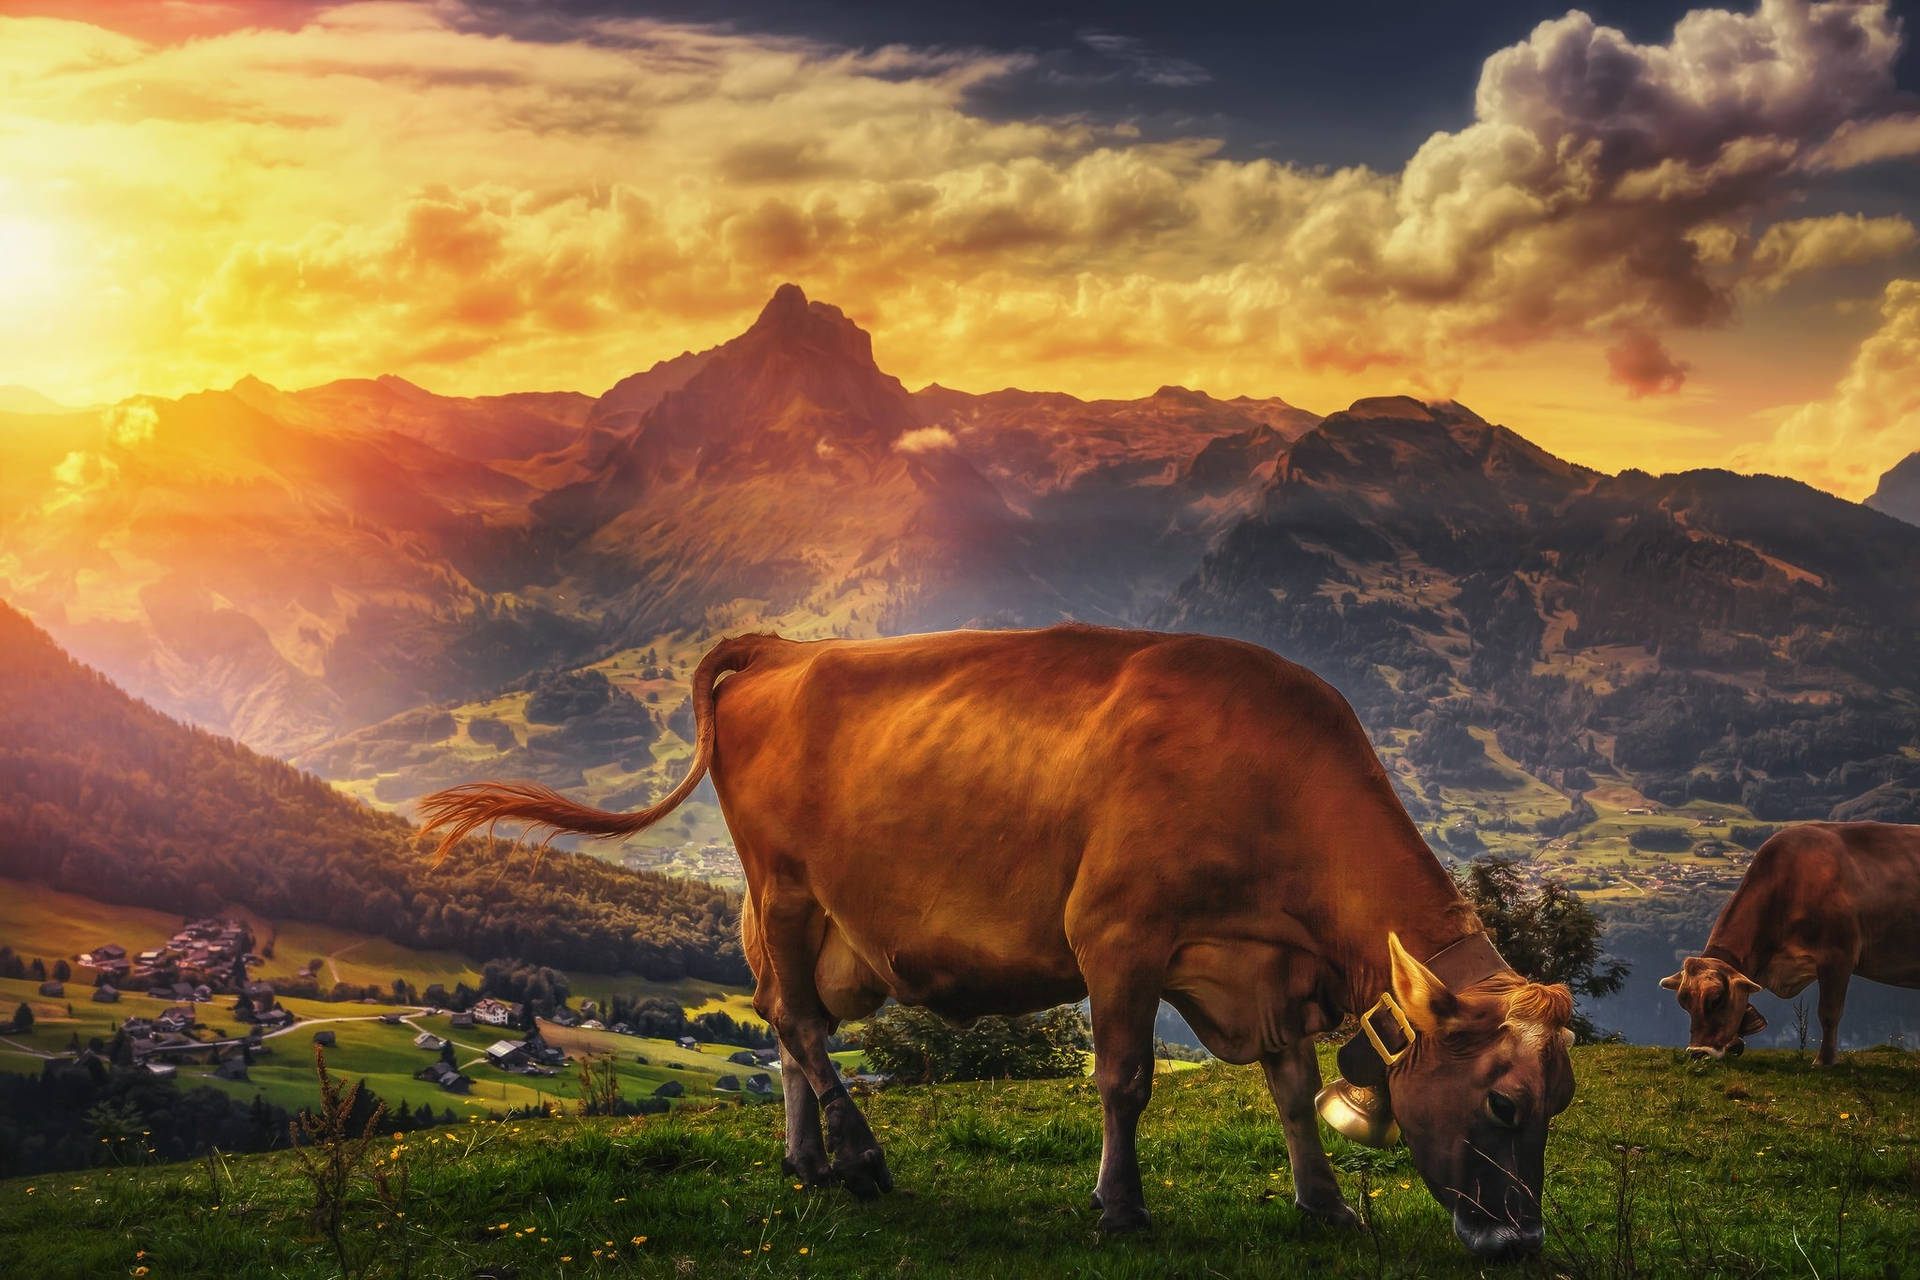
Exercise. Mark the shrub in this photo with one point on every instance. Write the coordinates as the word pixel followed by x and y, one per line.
pixel 1661 839
pixel 917 1046
pixel 1548 935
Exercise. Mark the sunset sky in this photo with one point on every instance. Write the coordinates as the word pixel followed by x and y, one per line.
pixel 1638 234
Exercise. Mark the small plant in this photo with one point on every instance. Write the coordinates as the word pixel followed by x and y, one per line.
pixel 599 1086
pixel 121 1132
pixel 214 1161
pixel 333 1149
pixel 1801 1024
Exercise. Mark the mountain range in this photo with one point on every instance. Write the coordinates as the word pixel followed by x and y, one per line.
pixel 399 589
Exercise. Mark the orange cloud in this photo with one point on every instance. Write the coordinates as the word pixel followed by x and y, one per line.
pixel 1871 421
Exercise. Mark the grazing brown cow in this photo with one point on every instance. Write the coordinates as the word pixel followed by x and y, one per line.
pixel 1822 900
pixel 997 822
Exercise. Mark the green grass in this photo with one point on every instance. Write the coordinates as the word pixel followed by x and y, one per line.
pixel 1741 1169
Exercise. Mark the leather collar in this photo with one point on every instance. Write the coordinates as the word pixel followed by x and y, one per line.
pixel 1459 965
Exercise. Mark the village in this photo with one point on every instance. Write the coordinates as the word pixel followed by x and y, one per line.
pixel 713 860
pixel 206 962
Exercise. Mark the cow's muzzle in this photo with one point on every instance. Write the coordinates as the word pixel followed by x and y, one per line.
pixel 1701 1052
pixel 1497 1241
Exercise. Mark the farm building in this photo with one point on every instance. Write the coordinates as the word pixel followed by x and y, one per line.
pixel 508 1055
pixel 446 1077
pixel 429 1041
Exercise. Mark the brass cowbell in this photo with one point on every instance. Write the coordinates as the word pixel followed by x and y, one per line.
pixel 1358 1113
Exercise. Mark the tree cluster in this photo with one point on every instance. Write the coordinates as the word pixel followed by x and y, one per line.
pixel 1547 934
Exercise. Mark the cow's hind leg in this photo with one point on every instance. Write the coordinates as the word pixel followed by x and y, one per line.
pixel 1833 1003
pixel 1293 1077
pixel 806 1157
pixel 803 1025
pixel 1124 1002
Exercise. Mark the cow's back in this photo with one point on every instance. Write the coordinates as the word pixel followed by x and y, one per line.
pixel 1884 866
pixel 1817 893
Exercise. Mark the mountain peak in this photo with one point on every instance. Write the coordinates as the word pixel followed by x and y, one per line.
pixel 1399 408
pixel 1898 494
pixel 788 303
pixel 790 322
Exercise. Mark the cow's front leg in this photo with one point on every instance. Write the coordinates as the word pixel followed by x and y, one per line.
pixel 1293 1077
pixel 1833 1003
pixel 1123 1011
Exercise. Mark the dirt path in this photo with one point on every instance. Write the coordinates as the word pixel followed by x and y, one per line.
pixel 333 969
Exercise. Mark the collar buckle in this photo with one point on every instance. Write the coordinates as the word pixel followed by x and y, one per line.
pixel 1399 1015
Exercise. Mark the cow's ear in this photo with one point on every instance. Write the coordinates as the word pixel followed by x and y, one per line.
pixel 1429 1005
pixel 1744 985
pixel 1672 981
pixel 1753 1023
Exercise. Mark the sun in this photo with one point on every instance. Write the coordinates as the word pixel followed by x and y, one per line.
pixel 29 257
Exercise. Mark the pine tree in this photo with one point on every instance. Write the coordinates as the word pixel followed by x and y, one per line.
pixel 23 1016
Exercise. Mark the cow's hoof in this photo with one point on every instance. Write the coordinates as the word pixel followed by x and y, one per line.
pixel 864 1173
pixel 1334 1213
pixel 1124 1220
pixel 813 1171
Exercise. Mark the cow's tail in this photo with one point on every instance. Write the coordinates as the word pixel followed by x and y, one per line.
pixel 464 809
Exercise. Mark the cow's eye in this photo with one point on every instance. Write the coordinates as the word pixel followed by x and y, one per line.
pixel 1503 1111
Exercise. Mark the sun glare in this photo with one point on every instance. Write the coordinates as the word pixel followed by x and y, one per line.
pixel 29 253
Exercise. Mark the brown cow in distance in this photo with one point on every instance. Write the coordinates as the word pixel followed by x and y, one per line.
pixel 1823 900
pixel 999 822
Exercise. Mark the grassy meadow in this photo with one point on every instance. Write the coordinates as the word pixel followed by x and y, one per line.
pixel 1763 1167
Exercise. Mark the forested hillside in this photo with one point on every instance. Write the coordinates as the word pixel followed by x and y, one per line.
pixel 102 795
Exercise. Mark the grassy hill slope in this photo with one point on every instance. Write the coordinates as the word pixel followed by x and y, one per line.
pixel 1764 1167
pixel 102 795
